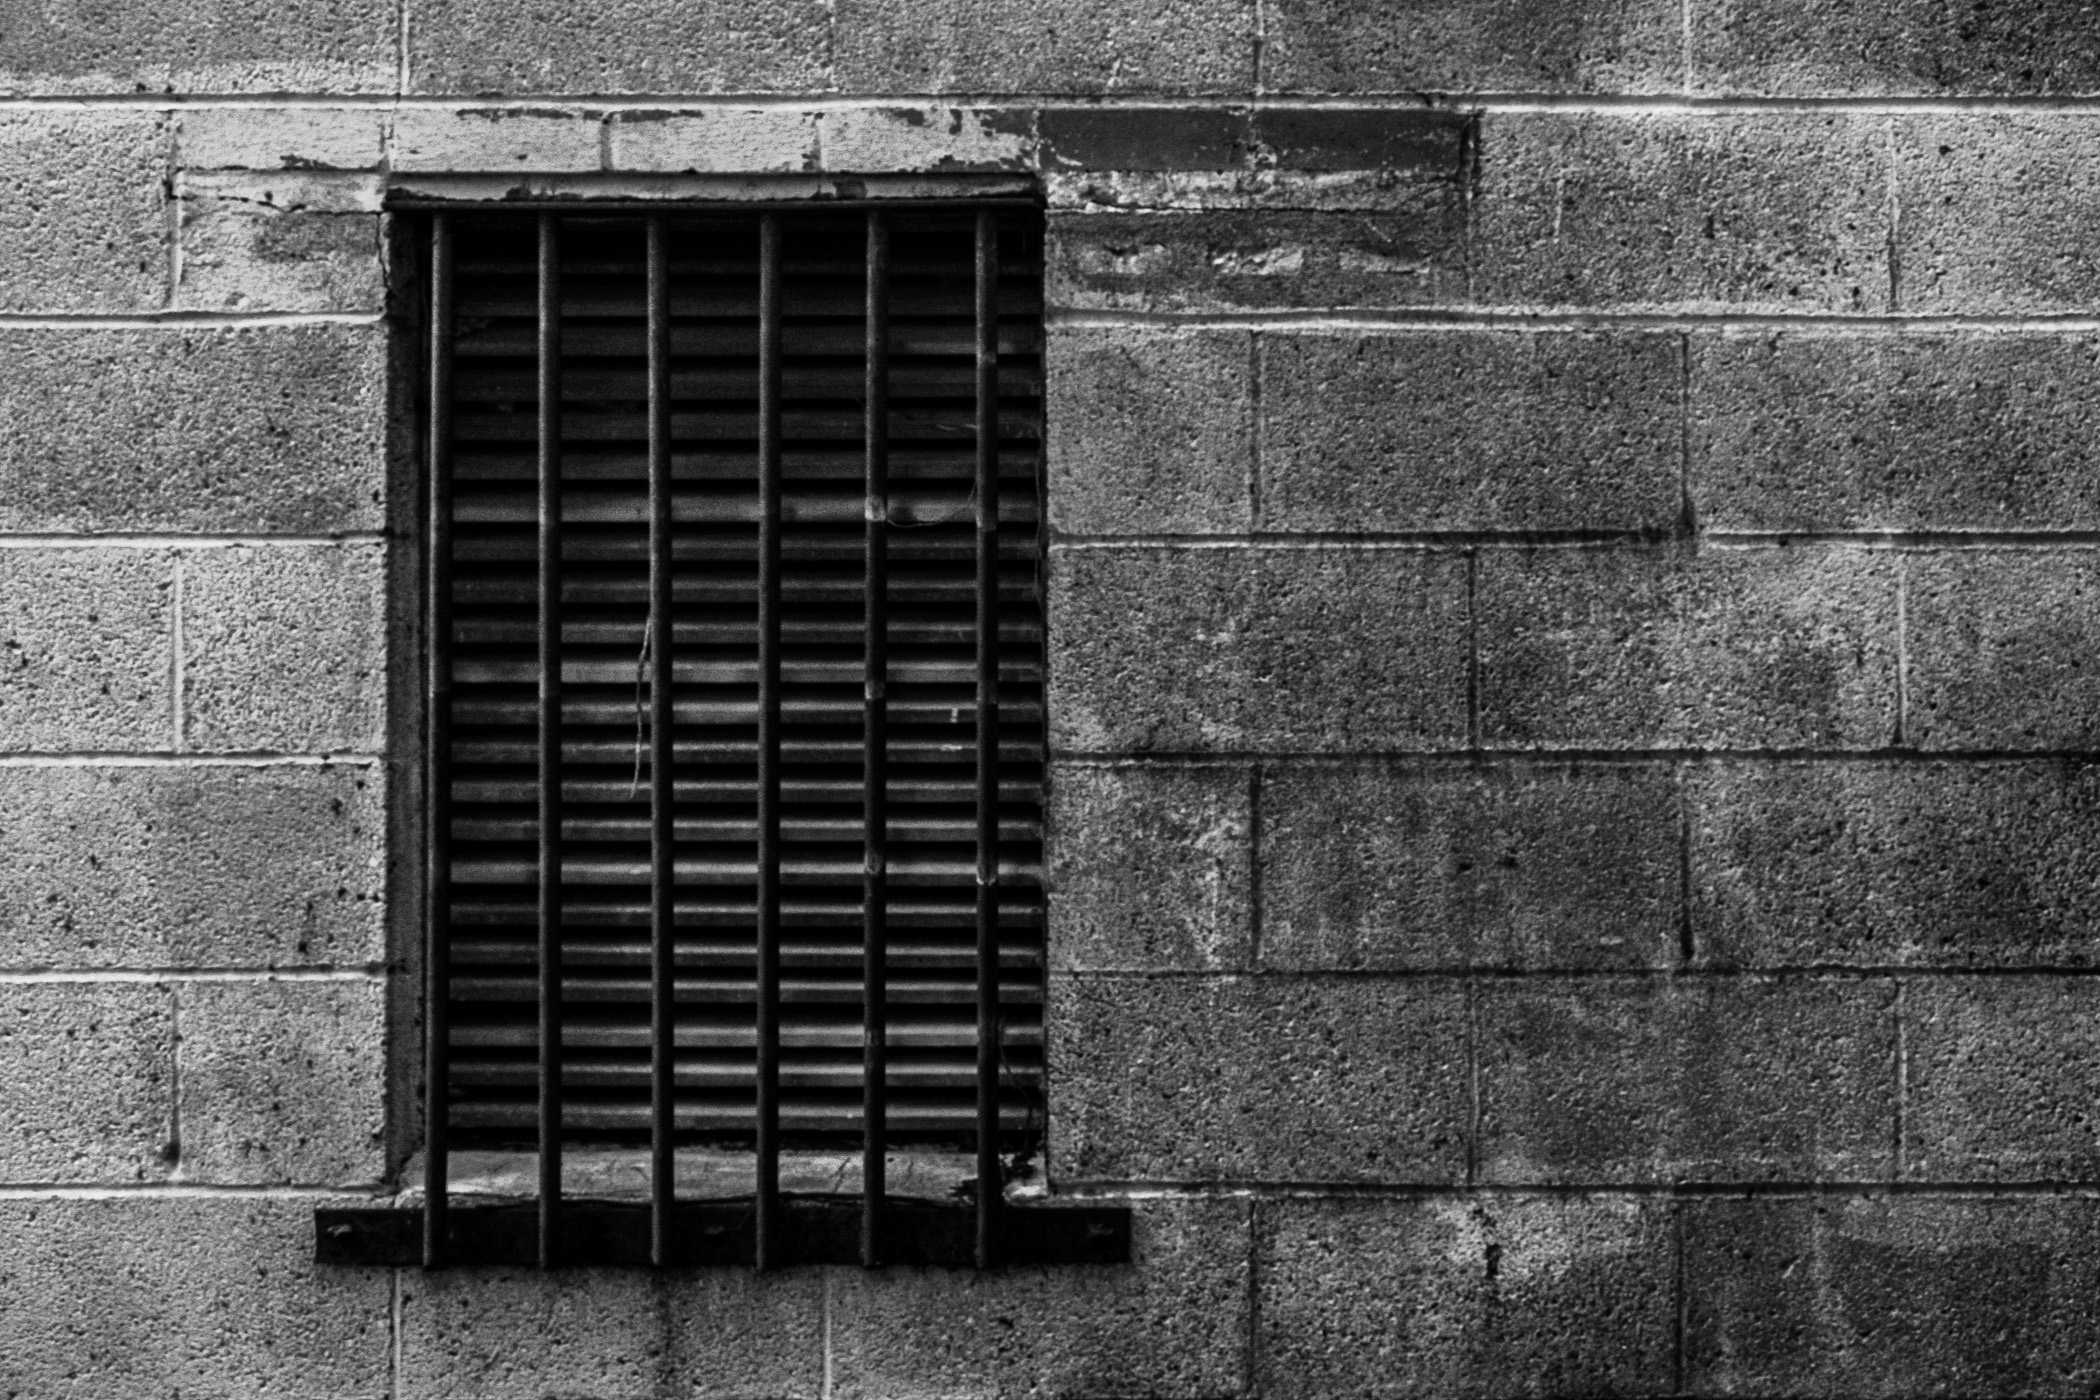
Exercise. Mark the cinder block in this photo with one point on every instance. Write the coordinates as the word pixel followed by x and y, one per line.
pixel 280 138
pixel 283 1082
pixel 1744 212
pixel 750 140
pixel 1172 1323
pixel 1996 211
pixel 1069 46
pixel 1911 46
pixel 1936 432
pixel 1892 1297
pixel 1475 46
pixel 218 866
pixel 1492 1298
pixel 254 242
pixel 641 46
pixel 1256 649
pixel 1149 868
pixel 1410 253
pixel 276 429
pixel 1155 432
pixel 1266 1079
pixel 1670 647
pixel 1422 866
pixel 84 1083
pixel 492 139
pixel 945 139
pixel 331 46
pixel 1998 1079
pixel 149 1297
pixel 86 649
pixel 83 210
pixel 511 1334
pixel 1872 864
pixel 1469 431
pixel 1718 1079
pixel 2000 649
pixel 284 649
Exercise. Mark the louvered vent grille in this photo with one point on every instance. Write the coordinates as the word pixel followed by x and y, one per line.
pixel 929 632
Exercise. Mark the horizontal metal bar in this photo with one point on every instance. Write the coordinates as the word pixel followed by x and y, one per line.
pixel 720 1233
pixel 706 194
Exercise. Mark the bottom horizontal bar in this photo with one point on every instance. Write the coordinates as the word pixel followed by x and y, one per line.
pixel 721 1234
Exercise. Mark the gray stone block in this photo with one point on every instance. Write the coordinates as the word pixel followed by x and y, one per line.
pixel 642 46
pixel 1266 1079
pixel 1314 46
pixel 1149 868
pixel 281 138
pixel 83 210
pixel 1155 432
pixel 1458 430
pixel 1891 1297
pixel 1669 647
pixel 935 138
pixel 220 866
pixel 86 639
pixel 1256 649
pixel 480 140
pixel 1743 212
pixel 1871 864
pixel 1146 138
pixel 84 1083
pixel 234 431
pixel 1996 210
pixel 1941 432
pixel 283 1082
pixel 1719 1079
pixel 331 46
pixel 514 1334
pixel 1446 1297
pixel 285 649
pixel 1171 1323
pixel 1069 46
pixel 149 1297
pixel 2000 645
pixel 1422 866
pixel 276 242
pixel 772 140
pixel 1911 46
pixel 1386 139
pixel 1998 1079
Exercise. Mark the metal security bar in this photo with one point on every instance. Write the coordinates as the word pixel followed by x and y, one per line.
pixel 712 502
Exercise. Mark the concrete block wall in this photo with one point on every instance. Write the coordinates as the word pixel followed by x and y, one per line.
pixel 1572 579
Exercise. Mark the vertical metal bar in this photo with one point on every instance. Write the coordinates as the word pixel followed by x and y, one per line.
pixel 437 757
pixel 550 856
pixel 987 492
pixel 767 1192
pixel 874 969
pixel 662 1006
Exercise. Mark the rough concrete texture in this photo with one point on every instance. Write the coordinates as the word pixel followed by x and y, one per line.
pixel 284 649
pixel 639 46
pixel 213 47
pixel 1810 47
pixel 2001 651
pixel 85 1082
pixel 1066 46
pixel 1732 1079
pixel 188 429
pixel 1408 255
pixel 1256 649
pixel 219 866
pixel 1752 212
pixel 83 210
pixel 140 1298
pixel 1874 864
pixel 1420 866
pixel 252 242
pixel 1157 432
pixel 1998 1076
pixel 1892 1297
pixel 496 139
pixel 86 649
pixel 942 139
pixel 773 140
pixel 1996 210
pixel 280 138
pixel 1938 432
pixel 509 1334
pixel 1404 46
pixel 1669 647
pixel 1465 431
pixel 1149 868
pixel 1491 1298
pixel 1172 1323
pixel 1269 1079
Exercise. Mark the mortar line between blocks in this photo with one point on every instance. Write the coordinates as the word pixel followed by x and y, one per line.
pixel 176 976
pixel 1250 1383
pixel 1254 430
pixel 175 659
pixel 185 1191
pixel 1687 948
pixel 1254 892
pixel 1561 320
pixel 188 542
pixel 174 1149
pixel 1901 1115
pixel 1902 651
pixel 184 320
pixel 173 262
pixel 190 760
pixel 401 49
pixel 1893 249
pixel 394 1334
